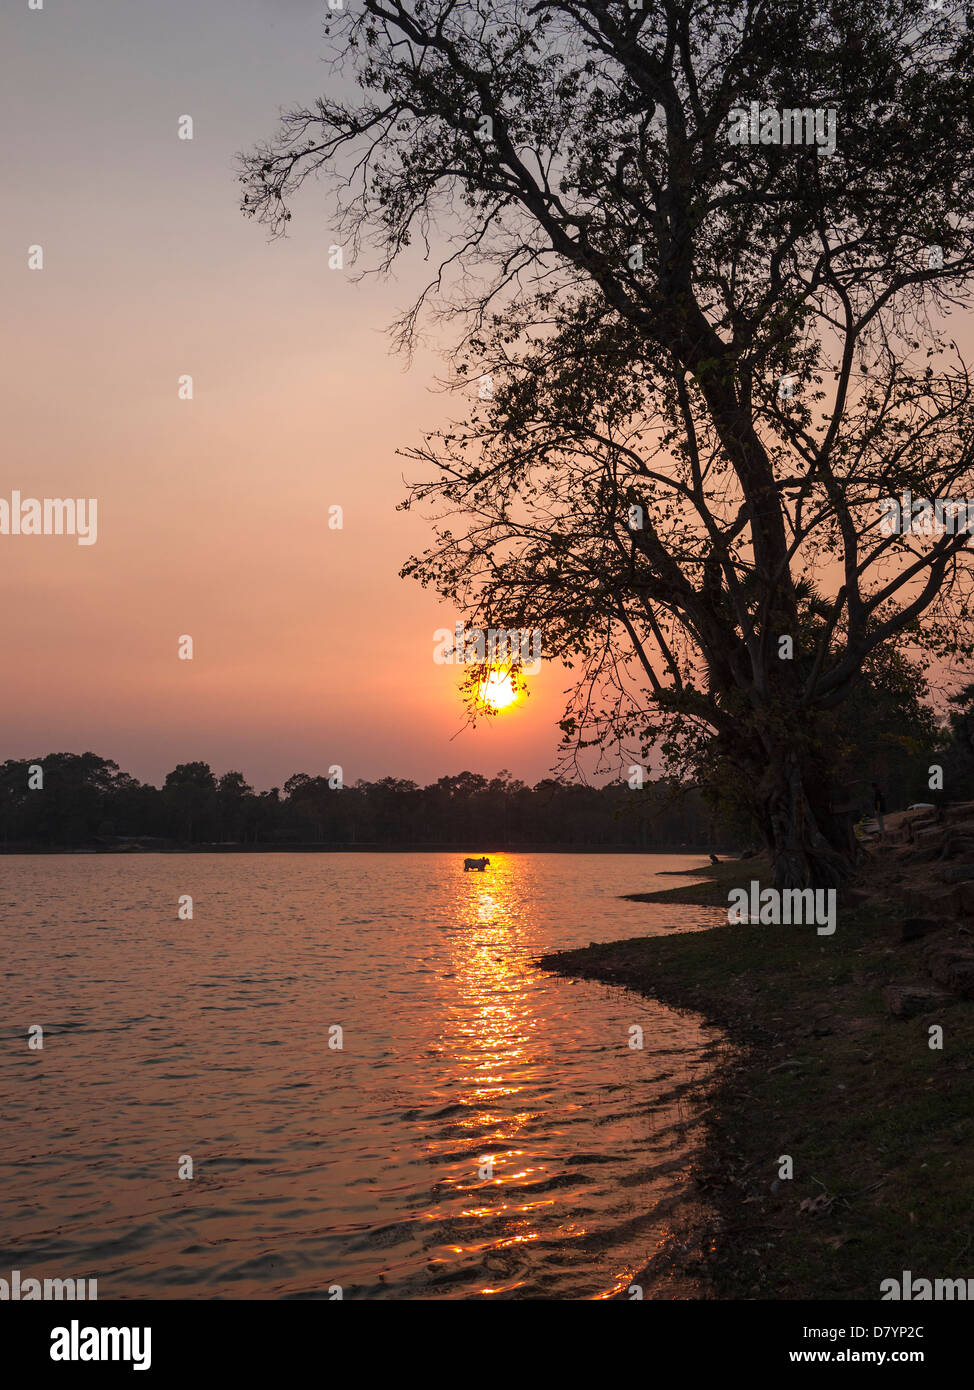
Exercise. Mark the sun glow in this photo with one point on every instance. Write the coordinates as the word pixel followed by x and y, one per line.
pixel 497 691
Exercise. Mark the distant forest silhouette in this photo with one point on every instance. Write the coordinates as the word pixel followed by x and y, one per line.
pixel 86 801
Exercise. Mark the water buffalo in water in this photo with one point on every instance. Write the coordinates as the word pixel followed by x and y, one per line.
pixel 480 864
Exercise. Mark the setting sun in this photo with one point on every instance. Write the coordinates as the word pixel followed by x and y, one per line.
pixel 497 691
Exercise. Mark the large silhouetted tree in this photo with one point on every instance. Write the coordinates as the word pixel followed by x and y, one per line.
pixel 702 342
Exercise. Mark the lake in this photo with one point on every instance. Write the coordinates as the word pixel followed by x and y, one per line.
pixel 484 1129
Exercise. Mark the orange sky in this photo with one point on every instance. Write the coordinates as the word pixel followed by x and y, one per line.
pixel 212 514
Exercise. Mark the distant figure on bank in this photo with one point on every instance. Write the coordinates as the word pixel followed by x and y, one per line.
pixel 879 806
pixel 480 864
pixel 714 859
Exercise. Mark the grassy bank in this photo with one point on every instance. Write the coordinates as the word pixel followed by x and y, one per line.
pixel 879 1126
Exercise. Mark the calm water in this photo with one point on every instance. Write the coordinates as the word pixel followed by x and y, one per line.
pixel 361 1167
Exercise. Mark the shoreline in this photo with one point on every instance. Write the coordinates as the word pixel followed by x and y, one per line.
pixel 880 1127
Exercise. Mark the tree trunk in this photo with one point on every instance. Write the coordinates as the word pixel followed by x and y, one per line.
pixel 808 844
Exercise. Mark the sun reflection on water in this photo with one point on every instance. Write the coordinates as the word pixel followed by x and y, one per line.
pixel 491 1025
pixel 519 1196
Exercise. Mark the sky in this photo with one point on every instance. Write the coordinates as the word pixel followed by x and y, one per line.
pixel 308 649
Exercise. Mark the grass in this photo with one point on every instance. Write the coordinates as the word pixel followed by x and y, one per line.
pixel 879 1126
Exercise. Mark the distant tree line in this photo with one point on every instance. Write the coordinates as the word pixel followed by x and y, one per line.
pixel 86 800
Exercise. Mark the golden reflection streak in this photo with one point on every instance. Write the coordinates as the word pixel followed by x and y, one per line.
pixel 490 1021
